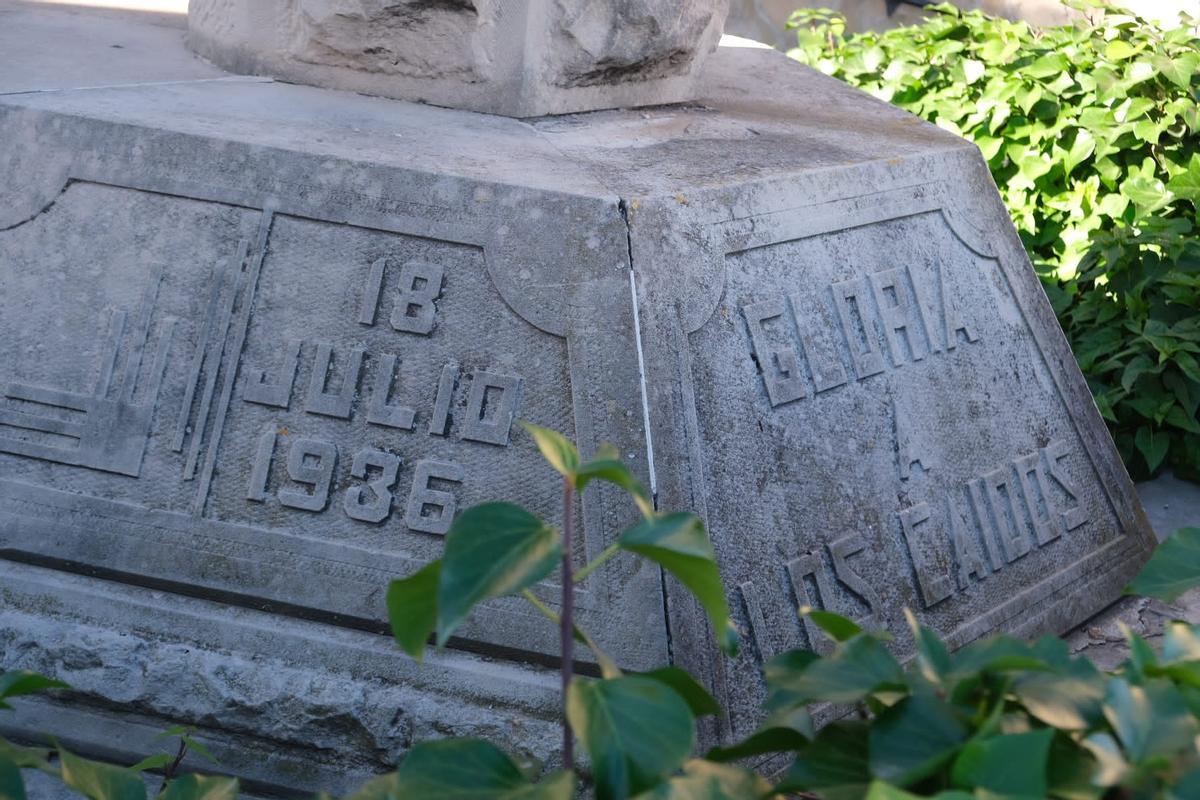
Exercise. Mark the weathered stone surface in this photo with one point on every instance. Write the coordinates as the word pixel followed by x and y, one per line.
pixel 819 330
pixel 521 59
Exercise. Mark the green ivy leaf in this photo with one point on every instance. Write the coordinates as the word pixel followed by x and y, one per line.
pixel 470 769
pixel 1111 767
pixel 832 765
pixel 615 471
pixel 1119 50
pixel 703 780
pixel 1148 194
pixel 1153 446
pixel 1181 642
pixel 1068 702
pixel 838 627
pixel 557 449
pixel 23 681
pixel 988 764
pixel 1081 148
pixel 1150 720
pixel 856 668
pixel 412 608
pixel 914 738
pixel 1173 568
pixel 25 757
pixel 768 739
pixel 883 791
pixel 696 696
pixel 1178 68
pixel 201 787
pixel 932 656
pixel 636 731
pixel 1000 653
pixel 12 785
pixel 99 781
pixel 493 549
pixel 156 761
pixel 1186 183
pixel 677 542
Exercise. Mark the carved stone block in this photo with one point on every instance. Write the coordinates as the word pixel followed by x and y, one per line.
pixel 262 341
pixel 511 57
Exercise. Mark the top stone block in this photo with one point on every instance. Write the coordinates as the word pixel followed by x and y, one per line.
pixel 519 58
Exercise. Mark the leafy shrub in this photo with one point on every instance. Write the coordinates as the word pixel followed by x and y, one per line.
pixel 998 719
pixel 1092 132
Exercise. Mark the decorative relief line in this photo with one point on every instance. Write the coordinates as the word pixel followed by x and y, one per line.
pixel 210 313
pixel 234 356
pixel 110 434
pixel 214 360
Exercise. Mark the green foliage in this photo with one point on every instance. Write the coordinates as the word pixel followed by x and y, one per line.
pixel 492 550
pixel 1001 718
pixel 1172 569
pixel 99 781
pixel 23 681
pixel 201 787
pixel 637 732
pixel 468 769
pixel 678 543
pixel 997 720
pixel 1092 132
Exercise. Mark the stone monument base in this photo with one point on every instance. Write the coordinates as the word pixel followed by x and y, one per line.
pixel 263 340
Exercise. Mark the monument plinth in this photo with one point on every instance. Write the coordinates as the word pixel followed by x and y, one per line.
pixel 265 339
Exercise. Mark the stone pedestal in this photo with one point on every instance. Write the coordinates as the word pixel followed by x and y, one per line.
pixel 263 340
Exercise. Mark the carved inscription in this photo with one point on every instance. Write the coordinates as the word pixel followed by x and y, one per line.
pixel 811 580
pixel 355 385
pixel 414 308
pixel 991 521
pixel 884 320
pixel 310 469
pixel 493 399
pixel 978 529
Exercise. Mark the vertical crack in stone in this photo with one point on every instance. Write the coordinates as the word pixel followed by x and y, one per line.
pixel 623 209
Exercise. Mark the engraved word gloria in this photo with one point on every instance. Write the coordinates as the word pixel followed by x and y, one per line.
pixel 892 302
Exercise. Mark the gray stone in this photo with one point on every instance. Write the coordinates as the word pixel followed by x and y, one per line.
pixel 514 57
pixel 48 47
pixel 263 338
pixel 1171 503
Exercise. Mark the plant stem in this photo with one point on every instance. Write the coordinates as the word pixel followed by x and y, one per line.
pixel 608 667
pixel 546 611
pixel 567 622
pixel 608 553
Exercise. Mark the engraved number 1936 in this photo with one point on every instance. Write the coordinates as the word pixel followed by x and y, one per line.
pixel 311 464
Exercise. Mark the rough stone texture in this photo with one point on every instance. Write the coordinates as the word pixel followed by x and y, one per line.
pixel 1102 638
pixel 520 58
pixel 178 263
pixel 44 48
pixel 1171 503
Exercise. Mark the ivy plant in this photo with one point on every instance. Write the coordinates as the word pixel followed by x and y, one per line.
pixel 998 719
pixel 1092 132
